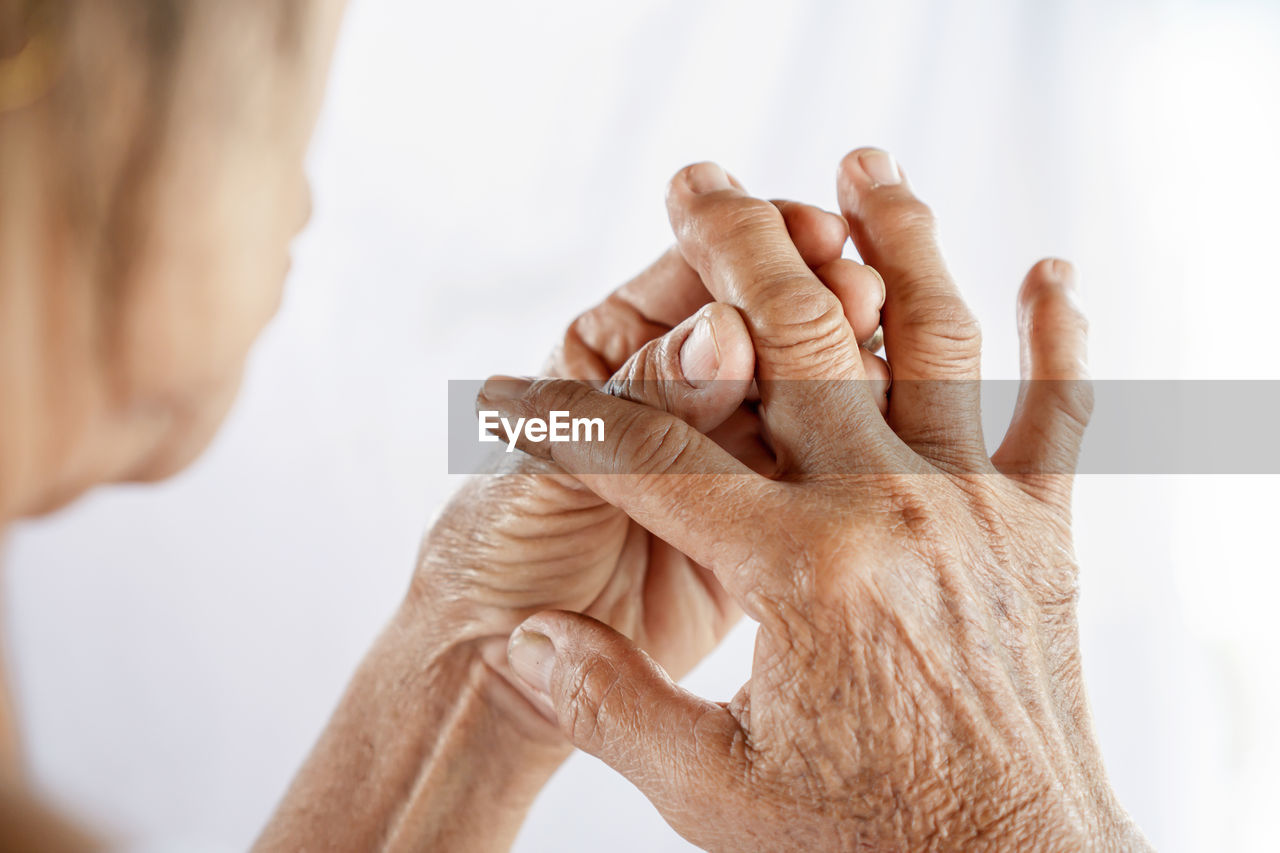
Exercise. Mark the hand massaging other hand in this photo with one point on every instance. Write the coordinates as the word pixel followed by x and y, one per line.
pixel 917 680
pixel 533 538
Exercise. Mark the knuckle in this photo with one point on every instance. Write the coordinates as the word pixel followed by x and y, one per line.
pixel 642 365
pixel 908 213
pixel 744 213
pixel 646 376
pixel 582 326
pixel 793 302
pixel 653 442
pixel 727 222
pixel 613 330
pixel 725 233
pixel 808 330
pixel 1051 325
pixel 546 395
pixel 947 323
pixel 577 345
pixel 907 507
pixel 1075 401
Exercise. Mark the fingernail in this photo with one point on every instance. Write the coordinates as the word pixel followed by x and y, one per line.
pixel 700 354
pixel 706 178
pixel 884 291
pixel 880 167
pixel 501 389
pixel 1065 274
pixel 533 657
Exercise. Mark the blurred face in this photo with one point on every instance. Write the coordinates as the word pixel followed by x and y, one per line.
pixel 159 183
pixel 218 195
pixel 209 236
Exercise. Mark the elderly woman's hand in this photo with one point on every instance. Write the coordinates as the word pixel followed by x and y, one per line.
pixel 917 680
pixel 435 746
pixel 534 538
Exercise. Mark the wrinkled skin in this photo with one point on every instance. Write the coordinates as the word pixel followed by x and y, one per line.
pixel 916 682
pixel 435 743
pixel 535 538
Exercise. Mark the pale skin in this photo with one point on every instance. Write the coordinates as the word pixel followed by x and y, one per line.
pixel 140 307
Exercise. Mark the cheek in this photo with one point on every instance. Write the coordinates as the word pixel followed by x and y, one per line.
pixel 186 336
pixel 210 280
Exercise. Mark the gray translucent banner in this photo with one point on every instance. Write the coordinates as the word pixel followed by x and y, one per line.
pixel 1137 426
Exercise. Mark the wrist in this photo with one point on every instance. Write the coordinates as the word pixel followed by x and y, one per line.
pixel 466 655
pixel 427 749
pixel 485 729
pixel 464 632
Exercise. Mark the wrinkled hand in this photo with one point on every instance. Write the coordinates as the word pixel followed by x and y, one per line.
pixel 916 681
pixel 535 538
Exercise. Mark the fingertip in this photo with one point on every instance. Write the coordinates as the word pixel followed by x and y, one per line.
pixel 1049 298
pixel 881 289
pixel 1052 328
pixel 737 354
pixel 717 362
pixel 503 389
pixel 531 653
pixel 699 179
pixel 869 168
pixel 699 358
pixel 1056 397
pixel 549 633
pixel 1049 277
pixel 861 292
pixel 700 371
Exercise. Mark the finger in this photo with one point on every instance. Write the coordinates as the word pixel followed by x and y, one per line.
pixel 742 251
pixel 600 340
pixel 700 371
pixel 670 478
pixel 741 248
pixel 611 700
pixel 931 338
pixel 860 290
pixel 819 235
pixel 1055 399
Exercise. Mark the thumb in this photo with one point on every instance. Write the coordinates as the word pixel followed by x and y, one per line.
pixel 613 701
pixel 700 371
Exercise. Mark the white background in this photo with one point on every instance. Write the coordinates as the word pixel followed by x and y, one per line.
pixel 483 171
